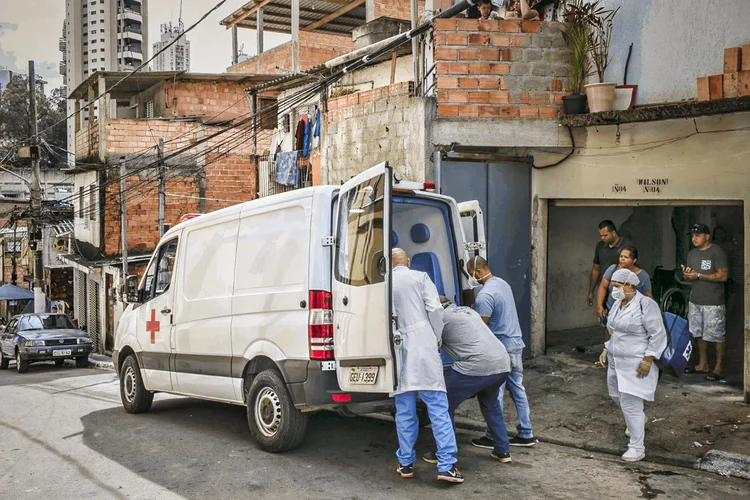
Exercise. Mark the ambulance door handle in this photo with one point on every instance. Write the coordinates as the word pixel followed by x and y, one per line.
pixel 346 301
pixel 166 311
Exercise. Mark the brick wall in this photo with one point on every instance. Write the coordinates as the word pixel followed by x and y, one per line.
pixel 59 283
pixel 315 49
pixel 396 9
pixel 230 180
pixel 219 100
pixel 499 69
pixel 367 128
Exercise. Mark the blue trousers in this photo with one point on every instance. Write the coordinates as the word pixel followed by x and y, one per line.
pixel 487 390
pixel 518 393
pixel 407 427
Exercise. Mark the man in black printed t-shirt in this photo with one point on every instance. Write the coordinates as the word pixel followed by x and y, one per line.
pixel 707 268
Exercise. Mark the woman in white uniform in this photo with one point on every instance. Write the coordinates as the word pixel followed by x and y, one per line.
pixel 637 337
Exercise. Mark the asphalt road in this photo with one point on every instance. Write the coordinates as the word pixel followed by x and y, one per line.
pixel 63 434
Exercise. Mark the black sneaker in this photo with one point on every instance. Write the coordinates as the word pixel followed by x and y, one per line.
pixel 406 471
pixel 451 476
pixel 430 458
pixel 503 458
pixel 519 441
pixel 483 442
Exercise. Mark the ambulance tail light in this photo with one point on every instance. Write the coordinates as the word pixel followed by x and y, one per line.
pixel 320 326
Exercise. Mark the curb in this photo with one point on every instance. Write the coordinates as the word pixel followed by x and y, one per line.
pixel 720 462
pixel 101 364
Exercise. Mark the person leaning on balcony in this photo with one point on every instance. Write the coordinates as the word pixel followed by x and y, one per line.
pixel 637 337
pixel 521 9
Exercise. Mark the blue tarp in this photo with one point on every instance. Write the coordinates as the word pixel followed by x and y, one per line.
pixel 12 292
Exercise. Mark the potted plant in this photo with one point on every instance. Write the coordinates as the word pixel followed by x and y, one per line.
pixel 600 95
pixel 576 35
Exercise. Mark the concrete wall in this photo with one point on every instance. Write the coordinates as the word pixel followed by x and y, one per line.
pixel 572 237
pixel 367 128
pixel 674 42
pixel 703 161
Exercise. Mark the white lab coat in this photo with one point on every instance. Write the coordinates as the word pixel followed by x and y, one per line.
pixel 636 331
pixel 416 304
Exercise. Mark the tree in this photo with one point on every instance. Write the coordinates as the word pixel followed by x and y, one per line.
pixel 15 126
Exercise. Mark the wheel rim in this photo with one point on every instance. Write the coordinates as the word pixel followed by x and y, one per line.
pixel 129 384
pixel 268 412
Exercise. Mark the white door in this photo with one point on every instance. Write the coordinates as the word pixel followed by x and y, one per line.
pixel 155 329
pixel 363 329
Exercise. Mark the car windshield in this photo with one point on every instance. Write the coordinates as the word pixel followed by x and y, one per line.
pixel 45 322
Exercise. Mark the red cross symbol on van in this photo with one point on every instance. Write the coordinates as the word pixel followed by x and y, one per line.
pixel 153 326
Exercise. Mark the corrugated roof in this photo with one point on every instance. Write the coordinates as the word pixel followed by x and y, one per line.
pixel 277 16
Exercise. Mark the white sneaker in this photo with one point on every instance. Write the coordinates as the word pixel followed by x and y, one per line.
pixel 633 456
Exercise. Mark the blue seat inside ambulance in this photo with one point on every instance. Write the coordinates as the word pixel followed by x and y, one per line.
pixel 427 262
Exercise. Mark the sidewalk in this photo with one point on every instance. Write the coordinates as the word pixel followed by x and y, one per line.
pixel 570 406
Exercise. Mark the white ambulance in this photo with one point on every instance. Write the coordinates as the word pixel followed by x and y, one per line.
pixel 283 304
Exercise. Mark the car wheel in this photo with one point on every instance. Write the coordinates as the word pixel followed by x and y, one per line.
pixel 135 398
pixel 4 362
pixel 273 420
pixel 82 362
pixel 22 366
pixel 59 362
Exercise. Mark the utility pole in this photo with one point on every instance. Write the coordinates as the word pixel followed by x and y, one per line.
pixel 162 188
pixel 36 199
pixel 123 221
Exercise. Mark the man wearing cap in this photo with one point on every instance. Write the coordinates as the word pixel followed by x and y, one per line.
pixel 707 268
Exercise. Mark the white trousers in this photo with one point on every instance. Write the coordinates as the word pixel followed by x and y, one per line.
pixel 635 419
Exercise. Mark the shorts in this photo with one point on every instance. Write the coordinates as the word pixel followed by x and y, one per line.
pixel 708 322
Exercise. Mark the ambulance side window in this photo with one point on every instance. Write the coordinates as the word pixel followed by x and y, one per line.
pixel 359 242
pixel 159 273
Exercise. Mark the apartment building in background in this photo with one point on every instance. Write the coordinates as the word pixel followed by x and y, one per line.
pixel 102 35
pixel 176 57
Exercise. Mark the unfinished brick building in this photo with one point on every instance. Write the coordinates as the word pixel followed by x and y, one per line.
pixel 204 125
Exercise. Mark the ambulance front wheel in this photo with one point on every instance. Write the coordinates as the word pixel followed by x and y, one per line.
pixel 135 398
pixel 274 422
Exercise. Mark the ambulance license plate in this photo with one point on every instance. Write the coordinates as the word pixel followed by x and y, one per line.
pixel 363 375
pixel 62 352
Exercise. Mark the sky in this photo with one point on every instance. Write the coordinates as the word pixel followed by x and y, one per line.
pixel 33 34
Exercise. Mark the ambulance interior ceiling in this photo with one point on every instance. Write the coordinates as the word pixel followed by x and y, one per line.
pixel 421 231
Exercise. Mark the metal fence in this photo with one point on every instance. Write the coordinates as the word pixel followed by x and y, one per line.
pixel 267 186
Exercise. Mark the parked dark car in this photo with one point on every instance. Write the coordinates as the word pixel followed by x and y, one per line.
pixel 43 337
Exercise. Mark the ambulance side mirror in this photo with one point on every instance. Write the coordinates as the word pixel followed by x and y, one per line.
pixel 131 289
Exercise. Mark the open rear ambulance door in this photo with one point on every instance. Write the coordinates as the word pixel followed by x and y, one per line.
pixel 472 222
pixel 363 328
pixel 475 243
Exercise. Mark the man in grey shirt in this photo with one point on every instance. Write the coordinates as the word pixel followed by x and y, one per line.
pixel 480 368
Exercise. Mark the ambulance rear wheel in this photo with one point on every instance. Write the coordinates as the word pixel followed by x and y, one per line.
pixel 135 398
pixel 274 422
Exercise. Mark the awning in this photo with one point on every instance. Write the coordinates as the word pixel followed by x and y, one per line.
pixel 83 264
pixel 13 292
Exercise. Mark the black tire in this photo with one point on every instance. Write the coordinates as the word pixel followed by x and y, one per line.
pixel 82 362
pixel 274 422
pixel 135 398
pixel 4 362
pixel 674 302
pixel 59 362
pixel 22 366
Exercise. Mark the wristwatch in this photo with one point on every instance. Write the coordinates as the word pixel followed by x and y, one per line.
pixel 698 277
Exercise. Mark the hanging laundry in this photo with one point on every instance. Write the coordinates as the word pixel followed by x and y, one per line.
pixel 287 168
pixel 275 141
pixel 299 136
pixel 316 129
pixel 308 139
